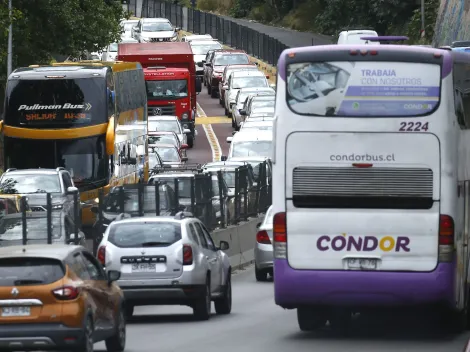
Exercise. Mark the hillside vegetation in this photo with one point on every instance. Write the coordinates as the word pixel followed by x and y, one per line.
pixel 387 17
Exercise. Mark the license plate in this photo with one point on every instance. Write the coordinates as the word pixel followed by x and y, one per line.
pixel 362 264
pixel 16 311
pixel 144 268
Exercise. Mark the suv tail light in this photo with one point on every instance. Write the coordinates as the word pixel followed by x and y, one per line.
pixel 101 255
pixel 263 237
pixel 66 293
pixel 187 254
pixel 446 238
pixel 280 236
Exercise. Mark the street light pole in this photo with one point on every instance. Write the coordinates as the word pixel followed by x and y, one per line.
pixel 10 40
pixel 422 19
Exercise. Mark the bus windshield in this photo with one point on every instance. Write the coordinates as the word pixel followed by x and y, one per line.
pixel 35 103
pixel 85 158
pixel 372 89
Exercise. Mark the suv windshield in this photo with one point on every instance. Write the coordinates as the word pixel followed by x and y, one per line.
pixel 131 201
pixel 168 154
pixel 30 183
pixel 162 138
pixel 164 126
pixel 156 27
pixel 231 59
pixel 29 271
pixel 249 81
pixel 252 148
pixel 145 234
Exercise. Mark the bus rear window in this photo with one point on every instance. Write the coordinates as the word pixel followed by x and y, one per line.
pixel 363 89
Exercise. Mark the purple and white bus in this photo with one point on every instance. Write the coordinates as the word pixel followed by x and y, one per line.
pixel 371 190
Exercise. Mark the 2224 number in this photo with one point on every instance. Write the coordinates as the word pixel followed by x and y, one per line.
pixel 413 126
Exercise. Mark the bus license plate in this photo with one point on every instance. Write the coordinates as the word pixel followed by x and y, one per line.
pixel 362 264
pixel 144 268
pixel 16 311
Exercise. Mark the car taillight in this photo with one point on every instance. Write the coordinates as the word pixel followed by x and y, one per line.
pixel 66 293
pixel 101 256
pixel 280 236
pixel 446 238
pixel 262 237
pixel 187 254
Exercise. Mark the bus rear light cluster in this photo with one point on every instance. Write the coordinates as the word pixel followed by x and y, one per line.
pixel 446 239
pixel 280 235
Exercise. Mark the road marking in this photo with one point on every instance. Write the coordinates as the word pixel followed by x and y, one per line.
pixel 210 134
pixel 211 120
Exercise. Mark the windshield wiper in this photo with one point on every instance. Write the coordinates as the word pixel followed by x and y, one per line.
pixel 27 282
pixel 153 244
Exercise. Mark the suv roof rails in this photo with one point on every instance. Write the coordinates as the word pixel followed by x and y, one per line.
pixel 183 215
pixel 11 169
pixel 122 216
pixel 60 168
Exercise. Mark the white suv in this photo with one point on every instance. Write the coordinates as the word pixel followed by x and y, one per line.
pixel 168 261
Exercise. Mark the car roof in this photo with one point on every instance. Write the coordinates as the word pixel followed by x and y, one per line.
pixel 150 219
pixel 53 251
pixel 33 171
pixel 162 118
pixel 157 20
pixel 253 135
pixel 164 145
pixel 230 51
pixel 262 97
pixel 247 73
pixel 256 89
pixel 161 132
pixel 259 123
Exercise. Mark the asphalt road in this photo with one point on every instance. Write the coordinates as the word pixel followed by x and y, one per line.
pixel 211 120
pixel 258 325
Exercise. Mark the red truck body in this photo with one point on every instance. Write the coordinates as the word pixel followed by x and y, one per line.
pixel 170 76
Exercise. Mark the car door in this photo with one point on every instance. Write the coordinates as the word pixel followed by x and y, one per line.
pixel 218 264
pixel 107 297
pixel 209 256
pixel 227 91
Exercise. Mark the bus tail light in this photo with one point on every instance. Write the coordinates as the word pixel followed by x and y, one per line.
pixel 446 238
pixel 280 236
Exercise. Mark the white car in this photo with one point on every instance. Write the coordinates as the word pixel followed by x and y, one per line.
pixel 200 49
pixel 127 26
pixel 250 143
pixel 354 37
pixel 258 125
pixel 168 124
pixel 239 80
pixel 110 52
pixel 198 37
pixel 151 30
pixel 241 100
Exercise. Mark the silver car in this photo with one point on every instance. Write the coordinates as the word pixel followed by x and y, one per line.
pixel 264 247
pixel 168 261
pixel 169 154
pixel 168 124
pixel 242 96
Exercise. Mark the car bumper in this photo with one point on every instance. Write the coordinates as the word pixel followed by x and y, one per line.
pixel 22 337
pixel 264 256
pixel 215 82
pixel 154 295
pixel 293 288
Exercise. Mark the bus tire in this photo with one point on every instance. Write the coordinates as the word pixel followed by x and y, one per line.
pixel 311 318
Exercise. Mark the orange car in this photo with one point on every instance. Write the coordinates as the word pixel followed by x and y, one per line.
pixel 58 297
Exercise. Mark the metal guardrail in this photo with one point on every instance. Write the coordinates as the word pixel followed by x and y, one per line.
pixel 237 36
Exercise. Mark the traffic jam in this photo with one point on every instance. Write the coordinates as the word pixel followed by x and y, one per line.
pixel 107 220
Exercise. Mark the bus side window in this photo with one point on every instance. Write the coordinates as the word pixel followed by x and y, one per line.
pixel 110 94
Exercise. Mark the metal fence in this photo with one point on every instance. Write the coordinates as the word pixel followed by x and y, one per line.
pixel 256 44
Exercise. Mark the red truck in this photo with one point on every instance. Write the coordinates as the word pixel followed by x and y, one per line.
pixel 170 76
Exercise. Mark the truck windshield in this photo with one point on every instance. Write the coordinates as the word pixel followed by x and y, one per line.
pixel 84 158
pixel 158 90
pixel 59 102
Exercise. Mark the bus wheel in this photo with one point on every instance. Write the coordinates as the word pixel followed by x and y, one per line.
pixel 311 318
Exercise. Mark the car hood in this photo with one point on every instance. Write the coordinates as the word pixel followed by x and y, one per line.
pixel 160 34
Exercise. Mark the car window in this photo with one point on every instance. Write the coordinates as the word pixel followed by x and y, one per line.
pixel 30 271
pixel 94 268
pixel 67 180
pixel 145 234
pixel 29 183
pixel 200 233
pixel 77 264
pixel 193 234
pixel 207 236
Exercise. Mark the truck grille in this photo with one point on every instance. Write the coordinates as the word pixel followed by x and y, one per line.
pixel 315 185
pixel 162 110
pixel 153 40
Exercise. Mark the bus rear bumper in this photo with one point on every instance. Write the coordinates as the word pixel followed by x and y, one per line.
pixel 294 288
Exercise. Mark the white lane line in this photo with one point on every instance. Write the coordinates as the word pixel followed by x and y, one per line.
pixel 199 111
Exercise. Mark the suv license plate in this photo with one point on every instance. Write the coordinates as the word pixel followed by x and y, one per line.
pixel 16 311
pixel 362 264
pixel 144 268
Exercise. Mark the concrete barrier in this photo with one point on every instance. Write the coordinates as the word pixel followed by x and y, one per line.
pixel 242 239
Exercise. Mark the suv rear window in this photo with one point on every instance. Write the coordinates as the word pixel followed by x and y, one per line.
pixel 30 271
pixel 145 234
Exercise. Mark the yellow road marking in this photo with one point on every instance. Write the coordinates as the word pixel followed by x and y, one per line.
pixel 213 142
pixel 212 119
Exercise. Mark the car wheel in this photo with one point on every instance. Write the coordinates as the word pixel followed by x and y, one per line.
pixel 117 342
pixel 202 306
pixel 213 93
pixel 310 319
pixel 190 141
pixel 234 124
pixel 204 80
pixel 209 90
pixel 86 344
pixel 221 102
pixel 261 275
pixel 226 112
pixel 224 305
pixel 128 311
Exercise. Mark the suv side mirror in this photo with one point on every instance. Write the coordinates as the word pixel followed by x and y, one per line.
pixel 223 245
pixel 113 275
pixel 72 190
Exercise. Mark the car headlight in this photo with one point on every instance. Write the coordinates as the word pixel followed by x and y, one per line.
pixel 185 116
pixel 57 206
